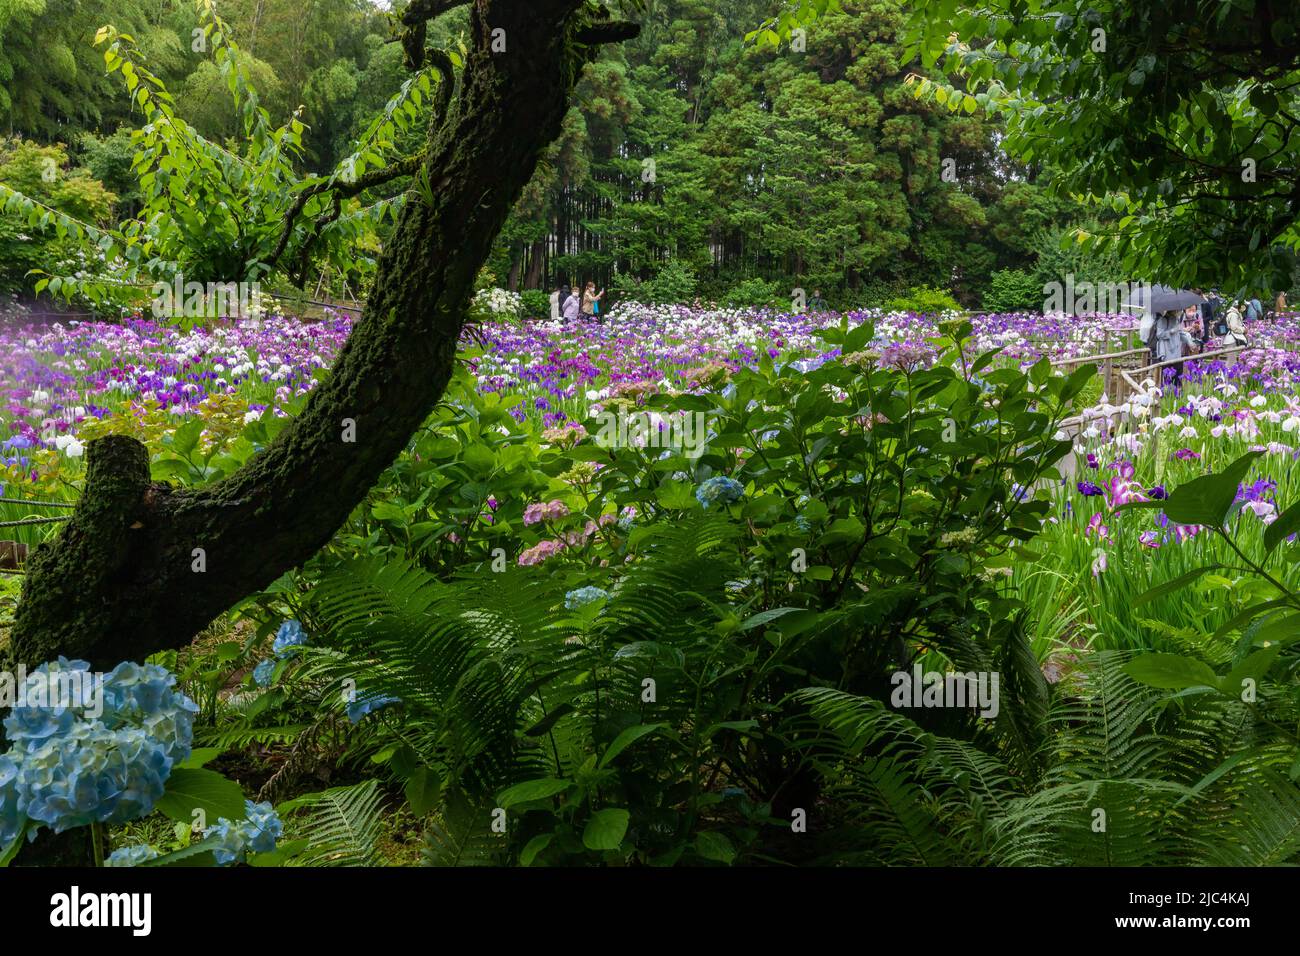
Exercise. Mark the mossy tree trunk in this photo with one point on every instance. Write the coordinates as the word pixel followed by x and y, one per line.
pixel 143 566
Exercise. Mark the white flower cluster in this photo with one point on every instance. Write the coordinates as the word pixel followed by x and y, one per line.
pixel 499 302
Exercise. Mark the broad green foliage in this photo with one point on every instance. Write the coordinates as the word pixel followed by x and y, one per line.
pixel 216 215
pixel 1123 776
pixel 52 83
pixel 755 294
pixel 878 496
pixel 1179 116
pixel 924 300
pixel 31 242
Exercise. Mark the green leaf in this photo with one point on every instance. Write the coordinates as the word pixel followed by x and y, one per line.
pixel 1206 500
pixel 1176 584
pixel 1171 671
pixel 550 720
pixel 190 789
pixel 531 790
pixel 186 437
pixel 422 791
pixel 1248 614
pixel 740 726
pixel 1253 668
pixel 1287 524
pixel 626 739
pixel 196 854
pixel 765 617
pixel 388 511
pixel 198 757
pixel 535 846
pixel 1282 631
pixel 715 846
pixel 605 829
pixel 676 495
pixel 9 852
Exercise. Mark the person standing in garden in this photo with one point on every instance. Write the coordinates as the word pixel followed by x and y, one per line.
pixel 572 306
pixel 1280 306
pixel 1236 334
pixel 1209 312
pixel 1169 341
pixel 817 303
pixel 1254 310
pixel 591 300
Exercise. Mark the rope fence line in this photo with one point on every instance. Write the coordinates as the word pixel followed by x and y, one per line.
pixel 26 521
pixel 38 504
pixel 358 307
pixel 49 315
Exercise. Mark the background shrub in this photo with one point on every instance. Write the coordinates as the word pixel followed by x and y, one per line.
pixel 924 300
pixel 1013 290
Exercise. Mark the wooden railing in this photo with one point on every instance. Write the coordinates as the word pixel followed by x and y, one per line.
pixel 1133 380
pixel 1108 364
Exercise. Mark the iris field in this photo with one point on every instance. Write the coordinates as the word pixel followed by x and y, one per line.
pixel 509 502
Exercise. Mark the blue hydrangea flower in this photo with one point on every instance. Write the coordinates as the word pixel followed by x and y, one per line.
pixel 131 855
pixel 87 749
pixel 263 826
pixel 367 704
pixel 11 820
pixel 52 698
pixel 145 696
pixel 93 775
pixel 584 596
pixel 263 673
pixel 257 833
pixel 288 639
pixel 719 488
pixel 230 845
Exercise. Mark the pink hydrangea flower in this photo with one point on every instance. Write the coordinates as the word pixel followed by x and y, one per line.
pixel 540 552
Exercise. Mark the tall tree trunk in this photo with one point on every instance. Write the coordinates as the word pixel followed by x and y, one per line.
pixel 536 278
pixel 143 566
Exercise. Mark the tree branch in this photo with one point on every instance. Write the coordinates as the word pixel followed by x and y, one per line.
pixel 342 190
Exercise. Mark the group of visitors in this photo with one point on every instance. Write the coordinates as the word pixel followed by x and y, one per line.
pixel 569 303
pixel 1171 335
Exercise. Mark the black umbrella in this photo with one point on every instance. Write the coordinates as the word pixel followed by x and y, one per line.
pixel 1162 298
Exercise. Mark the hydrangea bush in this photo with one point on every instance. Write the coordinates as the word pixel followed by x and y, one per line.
pixel 68 768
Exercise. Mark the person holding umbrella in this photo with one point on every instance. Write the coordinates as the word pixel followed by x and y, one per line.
pixel 1170 340
pixel 1162 328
